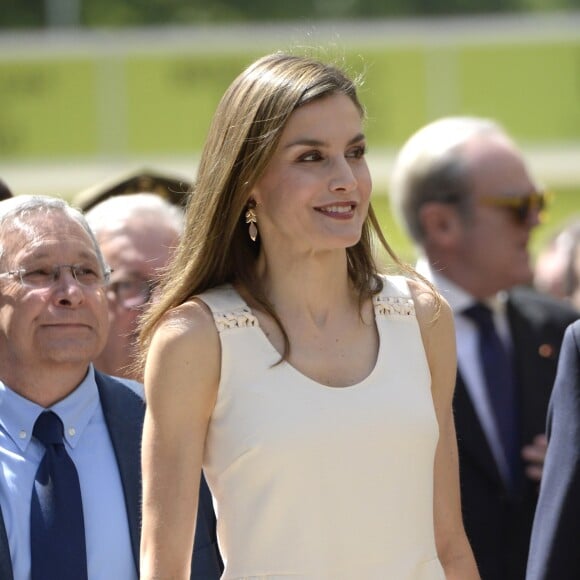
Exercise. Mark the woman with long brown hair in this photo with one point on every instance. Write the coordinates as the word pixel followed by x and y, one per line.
pixel 314 391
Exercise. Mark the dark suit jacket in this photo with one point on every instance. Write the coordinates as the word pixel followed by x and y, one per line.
pixel 555 545
pixel 498 522
pixel 124 412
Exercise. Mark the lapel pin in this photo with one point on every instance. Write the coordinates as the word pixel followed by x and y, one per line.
pixel 546 351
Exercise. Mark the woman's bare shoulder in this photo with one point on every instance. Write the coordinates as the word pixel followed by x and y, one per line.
pixel 185 350
pixel 186 322
pixel 428 301
pixel 433 312
pixel 185 334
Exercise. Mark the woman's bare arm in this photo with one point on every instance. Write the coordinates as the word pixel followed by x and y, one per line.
pixel 438 334
pixel 181 381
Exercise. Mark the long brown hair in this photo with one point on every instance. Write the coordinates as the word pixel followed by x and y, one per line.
pixel 245 131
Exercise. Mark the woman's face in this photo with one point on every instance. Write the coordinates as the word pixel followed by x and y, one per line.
pixel 314 194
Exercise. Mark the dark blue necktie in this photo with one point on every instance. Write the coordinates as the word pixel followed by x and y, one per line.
pixel 57 530
pixel 498 371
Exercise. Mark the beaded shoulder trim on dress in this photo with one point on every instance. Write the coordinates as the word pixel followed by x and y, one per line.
pixel 384 306
pixel 393 305
pixel 239 318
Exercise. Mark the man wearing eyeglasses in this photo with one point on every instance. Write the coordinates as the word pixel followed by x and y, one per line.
pixel 462 190
pixel 70 436
pixel 136 233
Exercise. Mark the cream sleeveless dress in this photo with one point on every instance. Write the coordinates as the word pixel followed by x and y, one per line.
pixel 316 482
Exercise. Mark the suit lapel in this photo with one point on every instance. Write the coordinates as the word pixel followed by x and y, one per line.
pixel 472 442
pixel 5 560
pixel 534 371
pixel 124 412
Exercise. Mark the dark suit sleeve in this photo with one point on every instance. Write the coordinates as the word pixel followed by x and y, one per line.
pixel 124 412
pixel 555 548
pixel 206 563
pixel 5 559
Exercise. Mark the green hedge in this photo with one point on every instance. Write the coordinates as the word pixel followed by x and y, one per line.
pixel 145 104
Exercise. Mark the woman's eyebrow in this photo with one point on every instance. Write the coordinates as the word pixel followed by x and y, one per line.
pixel 308 142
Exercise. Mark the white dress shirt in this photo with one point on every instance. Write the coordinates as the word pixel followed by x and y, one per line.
pixel 87 441
pixel 468 360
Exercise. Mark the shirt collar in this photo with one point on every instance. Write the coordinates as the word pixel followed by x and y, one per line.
pixel 458 298
pixel 18 414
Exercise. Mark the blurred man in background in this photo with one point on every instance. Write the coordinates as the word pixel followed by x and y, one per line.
pixel 464 194
pixel 168 185
pixel 5 192
pixel 136 233
pixel 557 270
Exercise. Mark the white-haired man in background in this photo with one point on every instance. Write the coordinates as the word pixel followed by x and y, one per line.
pixel 136 233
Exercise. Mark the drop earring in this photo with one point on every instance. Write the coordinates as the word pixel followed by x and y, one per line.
pixel 252 220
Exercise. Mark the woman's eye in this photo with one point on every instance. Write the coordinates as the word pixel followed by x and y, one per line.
pixel 357 152
pixel 311 156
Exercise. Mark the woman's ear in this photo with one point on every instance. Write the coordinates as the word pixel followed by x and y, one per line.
pixel 441 223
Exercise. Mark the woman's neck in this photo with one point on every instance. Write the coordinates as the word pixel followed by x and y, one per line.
pixel 312 285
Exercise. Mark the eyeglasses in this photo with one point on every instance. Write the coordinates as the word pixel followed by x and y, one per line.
pixel 521 206
pixel 46 277
pixel 132 293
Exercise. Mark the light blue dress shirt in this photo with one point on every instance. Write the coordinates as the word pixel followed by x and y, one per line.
pixel 87 441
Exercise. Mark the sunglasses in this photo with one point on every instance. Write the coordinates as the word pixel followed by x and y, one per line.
pixel 522 205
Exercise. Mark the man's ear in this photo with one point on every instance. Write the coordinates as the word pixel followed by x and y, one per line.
pixel 441 223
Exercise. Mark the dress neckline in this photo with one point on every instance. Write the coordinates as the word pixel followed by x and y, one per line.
pixel 264 338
